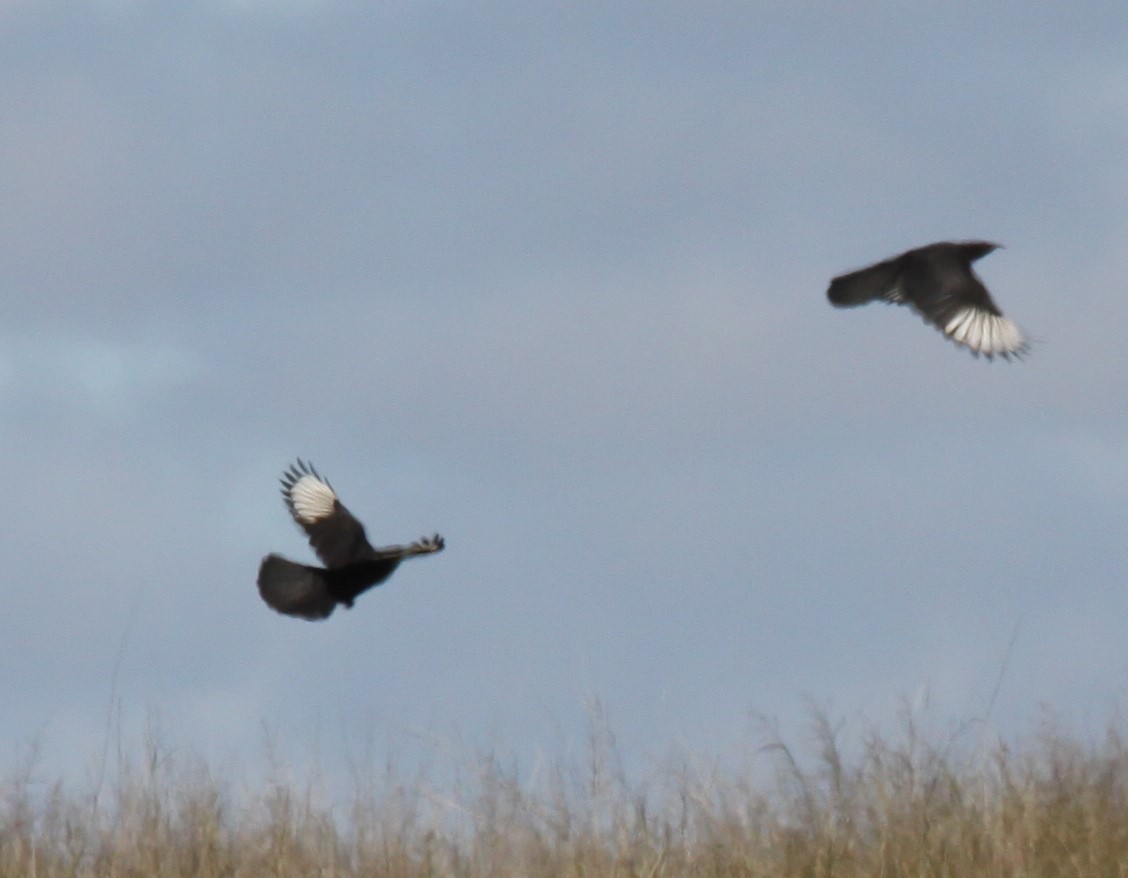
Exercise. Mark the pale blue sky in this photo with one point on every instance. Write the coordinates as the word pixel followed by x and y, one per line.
pixel 551 281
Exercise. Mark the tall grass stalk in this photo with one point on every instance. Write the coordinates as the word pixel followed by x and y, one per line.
pixel 883 806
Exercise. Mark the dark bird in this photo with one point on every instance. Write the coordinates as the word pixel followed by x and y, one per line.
pixel 938 282
pixel 352 565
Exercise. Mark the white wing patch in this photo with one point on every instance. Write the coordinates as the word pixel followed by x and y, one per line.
pixel 986 333
pixel 312 499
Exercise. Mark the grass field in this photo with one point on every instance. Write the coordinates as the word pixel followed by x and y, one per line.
pixel 900 806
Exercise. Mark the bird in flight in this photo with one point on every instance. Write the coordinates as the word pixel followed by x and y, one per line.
pixel 937 281
pixel 352 565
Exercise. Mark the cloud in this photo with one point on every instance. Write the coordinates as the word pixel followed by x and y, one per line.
pixel 551 281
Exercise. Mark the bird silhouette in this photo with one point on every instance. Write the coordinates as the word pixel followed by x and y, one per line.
pixel 939 283
pixel 352 565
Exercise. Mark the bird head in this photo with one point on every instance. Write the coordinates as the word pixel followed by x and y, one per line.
pixel 979 249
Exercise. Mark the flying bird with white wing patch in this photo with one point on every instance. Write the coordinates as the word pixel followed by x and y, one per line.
pixel 352 564
pixel 938 282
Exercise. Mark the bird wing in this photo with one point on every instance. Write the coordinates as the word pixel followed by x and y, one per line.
pixel 880 281
pixel 335 534
pixel 957 303
pixel 422 546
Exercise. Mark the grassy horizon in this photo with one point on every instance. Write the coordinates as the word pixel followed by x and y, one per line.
pixel 869 805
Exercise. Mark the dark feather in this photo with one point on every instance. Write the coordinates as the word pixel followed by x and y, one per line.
pixel 352 565
pixel 938 282
pixel 295 589
pixel 338 537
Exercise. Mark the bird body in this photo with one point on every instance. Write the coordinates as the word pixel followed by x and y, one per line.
pixel 938 282
pixel 352 564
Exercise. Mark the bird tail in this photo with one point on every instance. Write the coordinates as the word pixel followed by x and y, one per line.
pixel 858 287
pixel 295 589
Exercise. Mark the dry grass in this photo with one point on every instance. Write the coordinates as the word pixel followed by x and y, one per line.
pixel 899 807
